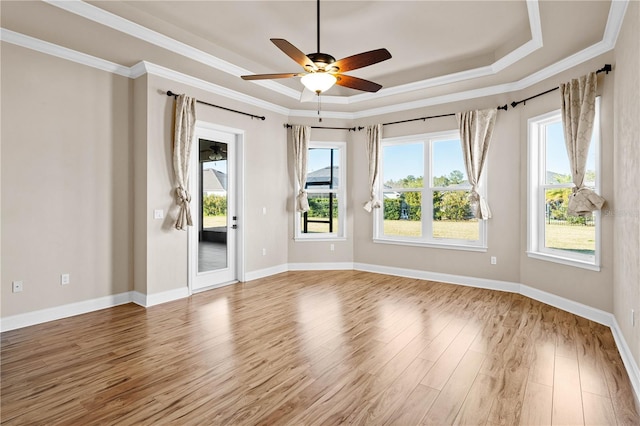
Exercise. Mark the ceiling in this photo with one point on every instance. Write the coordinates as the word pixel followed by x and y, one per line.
pixel 442 50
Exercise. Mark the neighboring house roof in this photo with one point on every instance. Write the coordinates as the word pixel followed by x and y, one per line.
pixel 213 181
pixel 323 175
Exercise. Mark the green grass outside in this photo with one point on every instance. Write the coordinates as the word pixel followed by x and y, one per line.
pixel 463 230
pixel 577 238
pixel 214 221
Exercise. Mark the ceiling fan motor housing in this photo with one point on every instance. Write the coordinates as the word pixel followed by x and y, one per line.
pixel 322 60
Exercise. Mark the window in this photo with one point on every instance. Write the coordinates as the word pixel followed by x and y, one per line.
pixel 552 234
pixel 434 211
pixel 325 185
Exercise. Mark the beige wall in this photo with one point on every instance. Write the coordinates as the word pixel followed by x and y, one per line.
pixel 110 242
pixel 503 189
pixel 581 285
pixel 265 182
pixel 625 213
pixel 66 181
pixel 507 189
pixel 320 251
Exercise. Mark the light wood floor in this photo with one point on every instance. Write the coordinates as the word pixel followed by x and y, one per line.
pixel 304 348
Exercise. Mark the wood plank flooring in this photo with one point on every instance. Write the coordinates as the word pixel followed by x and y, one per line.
pixel 319 348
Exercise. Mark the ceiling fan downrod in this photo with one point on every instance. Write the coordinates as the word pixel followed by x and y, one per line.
pixel 318 25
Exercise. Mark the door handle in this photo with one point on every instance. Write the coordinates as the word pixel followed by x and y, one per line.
pixel 234 226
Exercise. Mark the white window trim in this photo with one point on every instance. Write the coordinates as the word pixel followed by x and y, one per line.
pixel 341 235
pixel 426 240
pixel 535 196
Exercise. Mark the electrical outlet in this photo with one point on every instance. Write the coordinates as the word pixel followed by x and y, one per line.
pixel 264 210
pixel 264 251
pixel 16 286
pixel 494 260
pixel 65 279
pixel 332 247
pixel 158 214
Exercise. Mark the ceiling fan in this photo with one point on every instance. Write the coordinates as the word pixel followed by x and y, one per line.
pixel 322 71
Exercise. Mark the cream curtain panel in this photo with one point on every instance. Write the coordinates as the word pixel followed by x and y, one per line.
pixel 185 121
pixel 301 135
pixel 578 113
pixel 374 152
pixel 476 128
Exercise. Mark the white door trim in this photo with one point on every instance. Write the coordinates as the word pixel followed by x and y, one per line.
pixel 239 135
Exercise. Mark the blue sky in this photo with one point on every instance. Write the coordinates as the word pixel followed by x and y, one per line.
pixel 408 159
pixel 557 160
pixel 319 159
pixel 216 165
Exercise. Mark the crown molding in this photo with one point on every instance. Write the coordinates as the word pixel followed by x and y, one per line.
pixel 123 25
pixel 45 47
pixel 188 80
pixel 614 23
pixel 509 59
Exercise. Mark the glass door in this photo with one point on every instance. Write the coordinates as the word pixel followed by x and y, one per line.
pixel 212 247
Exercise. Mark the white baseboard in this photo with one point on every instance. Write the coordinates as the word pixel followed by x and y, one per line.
pixel 627 359
pixel 439 277
pixel 72 309
pixel 51 314
pixel 326 266
pixel 576 308
pixel 267 272
pixel 158 298
pixel 593 314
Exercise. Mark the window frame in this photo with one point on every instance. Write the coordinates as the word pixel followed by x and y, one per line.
pixel 537 186
pixel 427 239
pixel 341 233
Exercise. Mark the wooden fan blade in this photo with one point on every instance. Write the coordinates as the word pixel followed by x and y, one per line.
pixel 268 76
pixel 362 60
pixel 294 53
pixel 357 83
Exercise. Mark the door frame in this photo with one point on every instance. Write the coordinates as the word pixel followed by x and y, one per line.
pixel 192 267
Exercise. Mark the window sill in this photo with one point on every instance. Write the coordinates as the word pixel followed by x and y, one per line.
pixel 564 261
pixel 446 246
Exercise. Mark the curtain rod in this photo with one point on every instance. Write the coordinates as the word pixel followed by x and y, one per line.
pixel 606 69
pixel 261 117
pixel 351 129
pixel 503 107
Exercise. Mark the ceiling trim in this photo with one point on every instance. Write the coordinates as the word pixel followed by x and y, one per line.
pixel 509 59
pixel 178 77
pixel 62 52
pixel 123 25
pixel 613 26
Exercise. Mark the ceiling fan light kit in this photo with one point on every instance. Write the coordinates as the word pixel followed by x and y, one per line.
pixel 318 82
pixel 322 71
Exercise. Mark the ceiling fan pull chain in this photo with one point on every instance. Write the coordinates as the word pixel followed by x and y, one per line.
pixel 319 107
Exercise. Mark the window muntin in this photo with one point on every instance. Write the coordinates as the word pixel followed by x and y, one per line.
pixel 432 211
pixel 325 186
pixel 553 235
